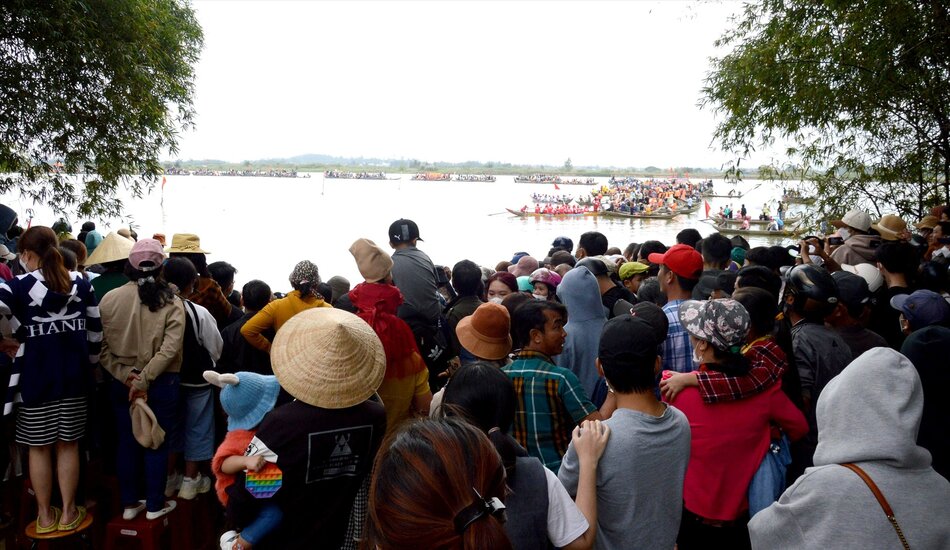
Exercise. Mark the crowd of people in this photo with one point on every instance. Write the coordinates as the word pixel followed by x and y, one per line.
pixel 634 196
pixel 701 394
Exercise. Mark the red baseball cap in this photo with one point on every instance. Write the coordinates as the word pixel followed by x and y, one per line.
pixel 681 259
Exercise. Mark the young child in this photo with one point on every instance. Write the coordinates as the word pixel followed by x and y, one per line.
pixel 246 397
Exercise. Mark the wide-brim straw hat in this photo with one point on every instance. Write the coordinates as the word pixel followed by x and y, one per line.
pixel 186 243
pixel 113 248
pixel 328 358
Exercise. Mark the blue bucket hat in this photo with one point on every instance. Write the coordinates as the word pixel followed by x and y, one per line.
pixel 245 396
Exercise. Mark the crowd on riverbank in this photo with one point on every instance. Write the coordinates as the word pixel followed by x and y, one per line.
pixel 702 393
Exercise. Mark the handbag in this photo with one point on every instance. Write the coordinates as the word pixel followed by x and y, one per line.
pixel 880 500
pixel 768 483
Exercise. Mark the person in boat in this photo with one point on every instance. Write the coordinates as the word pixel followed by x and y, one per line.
pixel 524 209
pixel 537 208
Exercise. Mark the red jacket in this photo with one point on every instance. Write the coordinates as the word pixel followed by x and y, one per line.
pixel 729 441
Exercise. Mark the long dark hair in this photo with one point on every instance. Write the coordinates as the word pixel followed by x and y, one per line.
pixel 483 395
pixel 42 241
pixel 154 291
pixel 200 261
pixel 429 473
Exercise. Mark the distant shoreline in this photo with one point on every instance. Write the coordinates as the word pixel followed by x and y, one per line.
pixel 499 170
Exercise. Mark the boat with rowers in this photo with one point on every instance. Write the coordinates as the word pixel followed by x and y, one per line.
pixel 473 177
pixel 336 174
pixel 731 195
pixel 548 178
pixel 544 198
pixel 798 199
pixel 431 176
pixel 722 222
pixel 787 232
pixel 532 214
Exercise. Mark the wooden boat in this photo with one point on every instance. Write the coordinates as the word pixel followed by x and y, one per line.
pixel 791 199
pixel 533 214
pixel 432 176
pixel 731 223
pixel 334 174
pixel 787 232
pixel 473 177
pixel 658 216
pixel 732 195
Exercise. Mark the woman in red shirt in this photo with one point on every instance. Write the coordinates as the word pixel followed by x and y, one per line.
pixel 729 439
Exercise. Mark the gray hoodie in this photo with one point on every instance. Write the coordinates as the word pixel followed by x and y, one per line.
pixel 586 316
pixel 869 415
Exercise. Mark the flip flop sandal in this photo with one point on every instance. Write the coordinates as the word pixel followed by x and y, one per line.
pixel 74 524
pixel 52 527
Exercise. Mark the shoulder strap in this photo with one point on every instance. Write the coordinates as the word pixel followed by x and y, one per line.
pixel 880 500
pixel 194 317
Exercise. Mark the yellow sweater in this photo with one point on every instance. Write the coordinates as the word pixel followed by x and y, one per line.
pixel 274 315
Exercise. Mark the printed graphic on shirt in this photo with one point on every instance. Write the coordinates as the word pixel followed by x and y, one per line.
pixel 256 447
pixel 337 453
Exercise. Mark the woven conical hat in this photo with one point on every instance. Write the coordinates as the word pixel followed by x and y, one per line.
pixel 113 248
pixel 328 358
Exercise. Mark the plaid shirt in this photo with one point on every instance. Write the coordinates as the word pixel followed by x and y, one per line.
pixel 768 364
pixel 677 352
pixel 551 401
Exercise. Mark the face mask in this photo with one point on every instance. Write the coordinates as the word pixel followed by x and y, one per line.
pixel 539 297
pixel 496 300
pixel 845 234
pixel 697 358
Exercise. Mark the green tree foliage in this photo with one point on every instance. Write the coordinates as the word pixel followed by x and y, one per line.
pixel 860 91
pixel 92 93
pixel 568 165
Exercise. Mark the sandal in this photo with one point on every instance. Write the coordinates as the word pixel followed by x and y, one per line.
pixel 74 524
pixel 52 527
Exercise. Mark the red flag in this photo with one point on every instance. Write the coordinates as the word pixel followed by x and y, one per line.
pixel 163 183
pixel 707 208
pixel 556 188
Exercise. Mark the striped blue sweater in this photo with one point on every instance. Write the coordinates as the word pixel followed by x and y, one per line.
pixel 59 335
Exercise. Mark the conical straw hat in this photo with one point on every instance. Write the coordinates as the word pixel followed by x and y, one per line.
pixel 328 358
pixel 113 248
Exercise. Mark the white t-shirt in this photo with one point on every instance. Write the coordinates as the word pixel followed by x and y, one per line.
pixel 565 521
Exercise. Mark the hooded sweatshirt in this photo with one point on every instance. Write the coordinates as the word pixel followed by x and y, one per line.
pixel 869 415
pixel 580 293
pixel 7 219
pixel 856 250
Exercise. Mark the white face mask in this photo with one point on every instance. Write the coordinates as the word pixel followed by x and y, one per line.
pixel 496 299
pixel 844 233
pixel 697 358
pixel 539 297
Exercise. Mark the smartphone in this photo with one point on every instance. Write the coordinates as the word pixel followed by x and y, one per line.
pixel 835 241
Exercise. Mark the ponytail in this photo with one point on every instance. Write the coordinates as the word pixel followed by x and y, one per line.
pixel 42 241
pixel 731 363
pixel 154 291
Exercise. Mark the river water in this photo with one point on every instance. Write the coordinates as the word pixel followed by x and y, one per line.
pixel 264 226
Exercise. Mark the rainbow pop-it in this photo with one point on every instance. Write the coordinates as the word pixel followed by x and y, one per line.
pixel 264 483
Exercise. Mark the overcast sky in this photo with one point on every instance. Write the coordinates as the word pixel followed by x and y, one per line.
pixel 604 83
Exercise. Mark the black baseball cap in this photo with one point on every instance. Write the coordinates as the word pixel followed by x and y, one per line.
pixel 597 267
pixel 627 339
pixel 403 231
pixel 853 290
pixel 654 316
